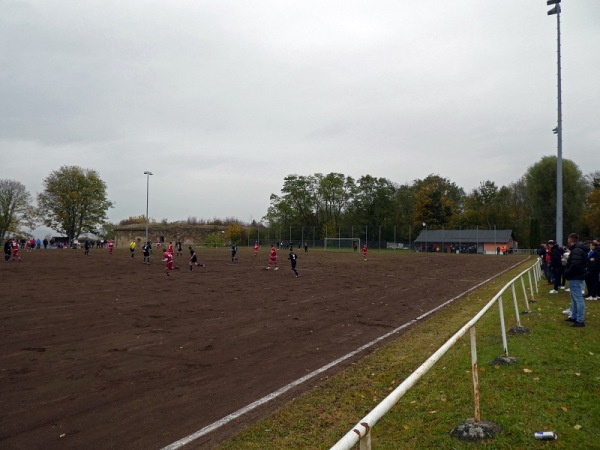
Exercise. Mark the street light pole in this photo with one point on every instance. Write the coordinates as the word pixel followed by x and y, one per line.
pixel 558 130
pixel 147 173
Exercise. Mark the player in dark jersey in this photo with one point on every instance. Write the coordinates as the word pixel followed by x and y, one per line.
pixel 194 259
pixel 293 259
pixel 146 252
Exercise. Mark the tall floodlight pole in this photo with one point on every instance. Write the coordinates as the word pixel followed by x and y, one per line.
pixel 147 173
pixel 558 130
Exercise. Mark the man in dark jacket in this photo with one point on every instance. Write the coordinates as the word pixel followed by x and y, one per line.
pixel 575 272
pixel 556 266
pixel 7 250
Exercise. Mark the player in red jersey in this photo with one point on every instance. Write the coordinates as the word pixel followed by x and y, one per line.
pixel 111 246
pixel 171 249
pixel 255 248
pixel 364 251
pixel 169 262
pixel 273 258
pixel 15 250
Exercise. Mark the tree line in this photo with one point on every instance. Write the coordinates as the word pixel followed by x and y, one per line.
pixel 73 201
pixel 335 201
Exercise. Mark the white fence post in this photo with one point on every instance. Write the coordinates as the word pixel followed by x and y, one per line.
pixel 365 442
pixel 525 294
pixel 475 372
pixel 531 286
pixel 503 326
pixel 514 294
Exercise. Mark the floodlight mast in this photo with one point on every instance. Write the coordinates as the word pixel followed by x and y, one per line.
pixel 147 173
pixel 558 130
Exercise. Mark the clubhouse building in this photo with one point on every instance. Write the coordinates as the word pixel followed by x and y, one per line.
pixel 466 241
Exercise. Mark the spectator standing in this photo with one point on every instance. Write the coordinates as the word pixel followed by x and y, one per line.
pixel 555 264
pixel 593 272
pixel 575 274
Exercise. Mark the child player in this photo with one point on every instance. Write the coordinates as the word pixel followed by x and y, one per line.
pixel 255 249
pixel 111 246
pixel 293 259
pixel 132 249
pixel 146 252
pixel 234 250
pixel 194 259
pixel 364 251
pixel 169 262
pixel 273 257
pixel 15 250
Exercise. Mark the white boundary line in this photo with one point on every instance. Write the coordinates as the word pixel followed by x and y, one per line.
pixel 267 398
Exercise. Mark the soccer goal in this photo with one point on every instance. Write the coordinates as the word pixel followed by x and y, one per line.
pixel 341 243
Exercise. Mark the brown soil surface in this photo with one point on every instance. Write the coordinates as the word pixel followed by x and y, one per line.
pixel 103 352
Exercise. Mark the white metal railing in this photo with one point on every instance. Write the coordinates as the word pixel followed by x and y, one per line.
pixel 361 432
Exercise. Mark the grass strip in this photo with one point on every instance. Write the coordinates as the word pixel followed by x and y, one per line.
pixel 554 386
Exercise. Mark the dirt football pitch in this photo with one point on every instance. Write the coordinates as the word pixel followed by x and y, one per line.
pixel 103 352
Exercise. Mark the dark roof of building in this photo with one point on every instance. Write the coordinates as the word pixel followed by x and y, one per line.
pixel 464 236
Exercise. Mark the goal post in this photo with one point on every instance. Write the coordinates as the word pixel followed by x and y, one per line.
pixel 332 244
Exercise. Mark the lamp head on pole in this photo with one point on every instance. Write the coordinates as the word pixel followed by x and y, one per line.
pixel 556 9
pixel 147 172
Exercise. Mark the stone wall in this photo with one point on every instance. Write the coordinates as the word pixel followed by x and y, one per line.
pixel 185 233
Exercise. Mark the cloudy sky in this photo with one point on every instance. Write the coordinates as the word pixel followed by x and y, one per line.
pixel 222 99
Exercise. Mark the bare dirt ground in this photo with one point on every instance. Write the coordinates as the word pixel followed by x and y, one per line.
pixel 103 352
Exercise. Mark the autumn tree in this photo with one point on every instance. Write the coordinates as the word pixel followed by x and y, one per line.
pixel 16 209
pixel 591 215
pixel 438 201
pixel 74 200
pixel 233 233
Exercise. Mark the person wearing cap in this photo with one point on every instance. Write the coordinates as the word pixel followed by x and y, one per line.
pixel 592 280
pixel 556 253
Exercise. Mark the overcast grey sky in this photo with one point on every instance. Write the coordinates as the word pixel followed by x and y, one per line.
pixel 223 99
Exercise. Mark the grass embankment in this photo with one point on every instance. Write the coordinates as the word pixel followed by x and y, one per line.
pixel 554 386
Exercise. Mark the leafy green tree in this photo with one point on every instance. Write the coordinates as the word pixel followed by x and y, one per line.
pixel 74 200
pixel 540 181
pixel 404 201
pixel 333 193
pixel 299 195
pixel 16 210
pixel 482 207
pixel 374 201
pixel 214 240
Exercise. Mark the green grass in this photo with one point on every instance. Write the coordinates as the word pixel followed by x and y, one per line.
pixel 554 386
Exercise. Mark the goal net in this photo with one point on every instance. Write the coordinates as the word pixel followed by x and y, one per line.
pixel 341 243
